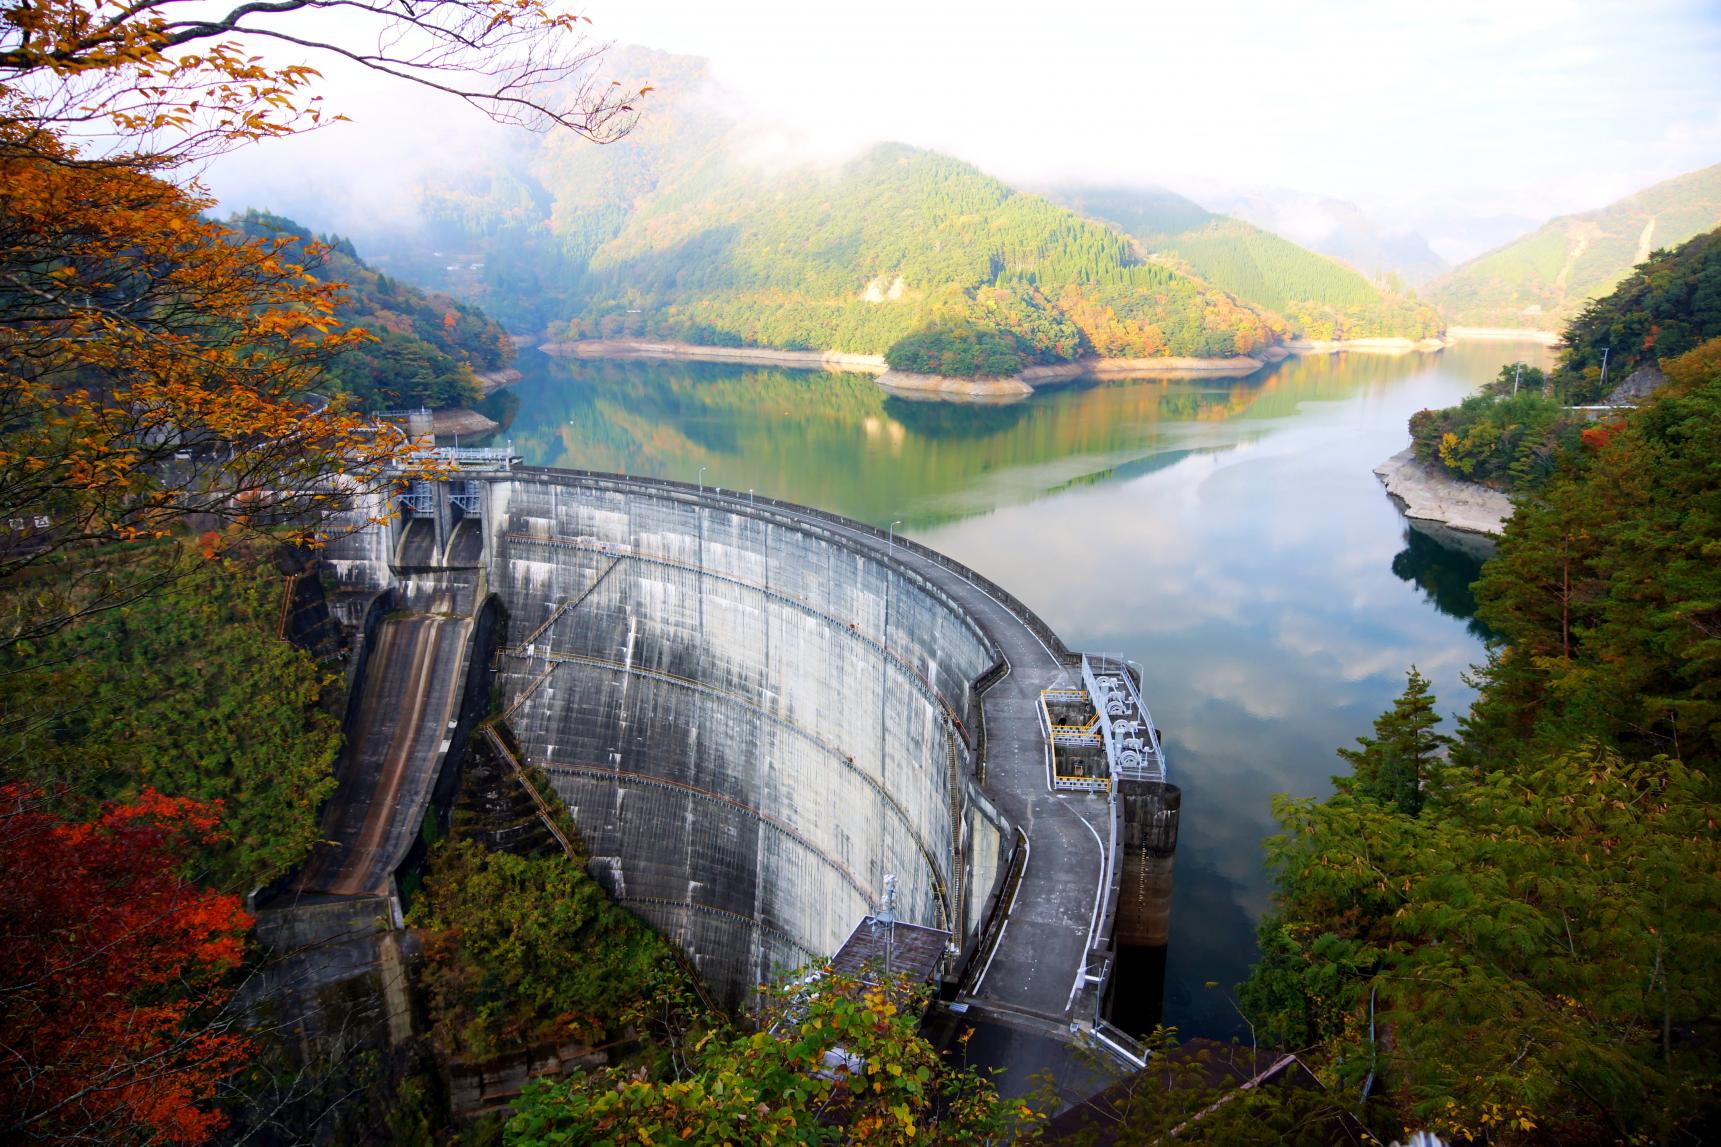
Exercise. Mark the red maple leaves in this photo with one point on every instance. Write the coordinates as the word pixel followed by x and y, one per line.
pixel 112 970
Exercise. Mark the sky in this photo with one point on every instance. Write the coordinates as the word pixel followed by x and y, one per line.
pixel 1459 119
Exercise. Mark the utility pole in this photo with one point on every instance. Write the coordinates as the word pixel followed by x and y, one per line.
pixel 1605 352
pixel 1515 378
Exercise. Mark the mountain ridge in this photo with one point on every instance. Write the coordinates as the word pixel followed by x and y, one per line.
pixel 681 234
pixel 1319 296
pixel 1544 279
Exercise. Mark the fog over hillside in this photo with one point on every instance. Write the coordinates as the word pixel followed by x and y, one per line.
pixel 1449 128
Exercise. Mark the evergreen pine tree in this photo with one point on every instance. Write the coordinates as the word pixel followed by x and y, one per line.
pixel 1396 766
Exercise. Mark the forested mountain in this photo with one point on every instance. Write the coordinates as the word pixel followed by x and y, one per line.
pixel 1319 297
pixel 427 345
pixel 1334 228
pixel 686 233
pixel 1669 305
pixel 1544 279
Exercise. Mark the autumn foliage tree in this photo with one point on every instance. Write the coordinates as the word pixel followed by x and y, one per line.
pixel 155 365
pixel 151 369
pixel 158 381
pixel 112 969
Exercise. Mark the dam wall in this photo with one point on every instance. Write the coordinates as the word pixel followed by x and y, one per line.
pixel 752 717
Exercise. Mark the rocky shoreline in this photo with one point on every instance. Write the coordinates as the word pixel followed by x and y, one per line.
pixel 1448 509
pixel 940 386
pixel 931 385
pixel 1503 334
pixel 490 381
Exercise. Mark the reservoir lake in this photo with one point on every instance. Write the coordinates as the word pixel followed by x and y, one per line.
pixel 1228 535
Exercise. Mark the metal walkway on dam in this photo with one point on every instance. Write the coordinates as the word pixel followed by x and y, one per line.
pixel 759 714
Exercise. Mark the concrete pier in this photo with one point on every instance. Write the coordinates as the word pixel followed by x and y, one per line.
pixel 1150 816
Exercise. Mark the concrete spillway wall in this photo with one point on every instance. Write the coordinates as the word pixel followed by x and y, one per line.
pixel 752 716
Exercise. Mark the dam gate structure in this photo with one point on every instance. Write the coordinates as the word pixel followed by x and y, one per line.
pixel 760 715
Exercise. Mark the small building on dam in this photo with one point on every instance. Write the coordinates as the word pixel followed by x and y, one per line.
pixel 756 713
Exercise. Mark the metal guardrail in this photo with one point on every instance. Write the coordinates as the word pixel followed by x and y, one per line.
pixel 445 461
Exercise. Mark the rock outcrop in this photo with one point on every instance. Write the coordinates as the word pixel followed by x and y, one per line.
pixel 1428 495
pixel 1638 385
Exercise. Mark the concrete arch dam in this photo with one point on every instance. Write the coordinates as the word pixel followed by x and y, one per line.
pixel 753 719
pixel 756 712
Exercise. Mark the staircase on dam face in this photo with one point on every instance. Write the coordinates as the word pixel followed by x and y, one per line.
pixel 407 560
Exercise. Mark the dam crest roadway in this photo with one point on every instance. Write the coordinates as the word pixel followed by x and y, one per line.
pixel 756 713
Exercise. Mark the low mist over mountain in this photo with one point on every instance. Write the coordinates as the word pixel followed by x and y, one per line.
pixel 710 226
pixel 1332 227
pixel 1319 297
pixel 1544 279
pixel 699 229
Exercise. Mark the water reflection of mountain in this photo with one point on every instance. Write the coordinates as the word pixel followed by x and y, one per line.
pixel 1444 575
pixel 949 420
pixel 839 441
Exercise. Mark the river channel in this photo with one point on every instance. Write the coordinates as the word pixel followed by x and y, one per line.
pixel 1227 535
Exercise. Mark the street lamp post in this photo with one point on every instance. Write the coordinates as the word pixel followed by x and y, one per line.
pixel 702 470
pixel 890 537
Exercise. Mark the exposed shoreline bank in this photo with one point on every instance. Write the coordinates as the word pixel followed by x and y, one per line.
pixel 1503 334
pixel 1392 346
pixel 1449 509
pixel 938 386
pixel 490 381
pixel 695 352
pixel 984 389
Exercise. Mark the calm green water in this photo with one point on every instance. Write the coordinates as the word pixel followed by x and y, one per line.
pixel 1227 535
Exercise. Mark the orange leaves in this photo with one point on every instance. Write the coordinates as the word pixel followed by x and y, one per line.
pixel 170 82
pixel 154 366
